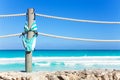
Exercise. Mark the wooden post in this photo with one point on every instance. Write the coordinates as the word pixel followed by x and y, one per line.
pixel 28 55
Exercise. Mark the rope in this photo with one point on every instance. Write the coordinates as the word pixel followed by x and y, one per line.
pixel 12 15
pixel 77 20
pixel 63 37
pixel 78 39
pixel 10 35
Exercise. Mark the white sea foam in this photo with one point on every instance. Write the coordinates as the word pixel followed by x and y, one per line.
pixel 43 64
pixel 11 60
pixel 68 61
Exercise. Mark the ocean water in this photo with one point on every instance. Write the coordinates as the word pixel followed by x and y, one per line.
pixel 57 60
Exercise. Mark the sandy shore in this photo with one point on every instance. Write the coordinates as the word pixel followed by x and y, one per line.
pixel 63 75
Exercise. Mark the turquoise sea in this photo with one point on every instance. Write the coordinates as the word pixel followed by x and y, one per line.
pixel 56 60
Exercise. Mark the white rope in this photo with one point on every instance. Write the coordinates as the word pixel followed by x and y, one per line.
pixel 79 39
pixel 63 37
pixel 10 35
pixel 77 20
pixel 12 15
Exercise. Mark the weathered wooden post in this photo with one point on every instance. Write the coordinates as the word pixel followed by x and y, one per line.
pixel 28 55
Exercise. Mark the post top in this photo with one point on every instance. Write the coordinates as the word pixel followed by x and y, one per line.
pixel 30 9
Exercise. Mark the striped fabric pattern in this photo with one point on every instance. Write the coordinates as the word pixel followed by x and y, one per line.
pixel 29 44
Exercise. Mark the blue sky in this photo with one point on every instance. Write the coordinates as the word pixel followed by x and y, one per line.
pixel 104 10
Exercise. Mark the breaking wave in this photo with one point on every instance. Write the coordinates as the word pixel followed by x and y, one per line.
pixel 66 61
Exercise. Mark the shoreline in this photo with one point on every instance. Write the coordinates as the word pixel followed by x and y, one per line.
pixel 97 74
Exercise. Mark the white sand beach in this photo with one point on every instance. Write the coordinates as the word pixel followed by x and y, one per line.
pixel 98 74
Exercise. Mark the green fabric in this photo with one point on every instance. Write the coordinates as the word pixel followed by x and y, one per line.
pixel 33 27
pixel 29 44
